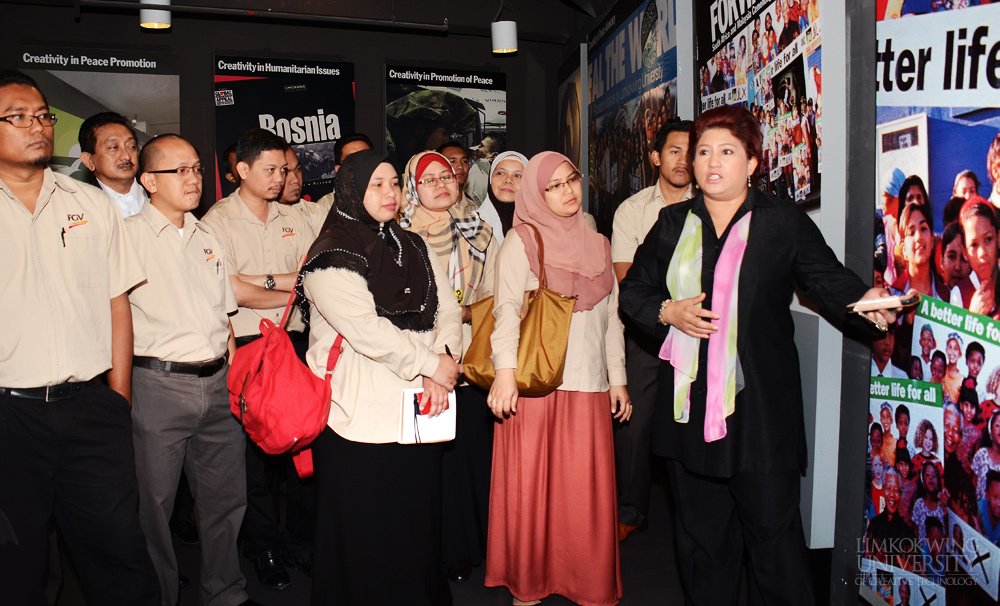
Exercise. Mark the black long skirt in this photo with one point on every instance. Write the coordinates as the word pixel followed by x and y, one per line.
pixel 378 527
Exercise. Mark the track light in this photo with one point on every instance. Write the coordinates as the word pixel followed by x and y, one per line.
pixel 150 18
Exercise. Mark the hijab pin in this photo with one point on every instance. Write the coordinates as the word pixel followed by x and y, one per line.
pixel 406 290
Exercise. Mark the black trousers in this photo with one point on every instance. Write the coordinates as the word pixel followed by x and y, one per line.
pixel 632 439
pixel 266 476
pixel 72 460
pixel 465 483
pixel 721 521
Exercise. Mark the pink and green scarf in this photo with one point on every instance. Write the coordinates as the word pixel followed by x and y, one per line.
pixel 725 376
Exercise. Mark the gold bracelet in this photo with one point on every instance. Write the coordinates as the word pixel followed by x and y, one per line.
pixel 663 306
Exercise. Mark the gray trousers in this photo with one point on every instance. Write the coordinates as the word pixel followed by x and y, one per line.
pixel 184 421
pixel 632 439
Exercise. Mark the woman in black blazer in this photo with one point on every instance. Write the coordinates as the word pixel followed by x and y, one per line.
pixel 714 280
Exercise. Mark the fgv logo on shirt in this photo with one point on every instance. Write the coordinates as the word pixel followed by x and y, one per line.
pixel 209 254
pixel 75 220
pixel 287 232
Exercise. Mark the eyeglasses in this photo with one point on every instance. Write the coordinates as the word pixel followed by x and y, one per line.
pixel 26 120
pixel 561 186
pixel 444 179
pixel 183 171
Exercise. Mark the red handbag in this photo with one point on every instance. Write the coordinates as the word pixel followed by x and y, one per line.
pixel 281 403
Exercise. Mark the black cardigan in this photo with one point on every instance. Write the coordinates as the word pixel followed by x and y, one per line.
pixel 785 249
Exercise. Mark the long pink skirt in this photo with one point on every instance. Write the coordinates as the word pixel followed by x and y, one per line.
pixel 553 509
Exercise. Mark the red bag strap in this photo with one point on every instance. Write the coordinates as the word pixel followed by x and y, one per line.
pixel 335 351
pixel 291 299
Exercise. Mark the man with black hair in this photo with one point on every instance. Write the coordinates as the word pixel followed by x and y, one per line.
pixel 633 220
pixel 110 150
pixel 342 148
pixel 65 419
pixel 291 194
pixel 265 242
pixel 183 339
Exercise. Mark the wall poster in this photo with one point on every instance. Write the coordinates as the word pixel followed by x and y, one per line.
pixel 308 102
pixel 932 511
pixel 425 107
pixel 79 83
pixel 765 55
pixel 632 91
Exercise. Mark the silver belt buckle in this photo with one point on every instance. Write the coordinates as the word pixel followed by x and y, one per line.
pixel 47 393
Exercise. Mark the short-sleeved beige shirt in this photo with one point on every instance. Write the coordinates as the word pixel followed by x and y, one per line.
pixel 180 313
pixel 633 220
pixel 253 247
pixel 59 270
pixel 315 212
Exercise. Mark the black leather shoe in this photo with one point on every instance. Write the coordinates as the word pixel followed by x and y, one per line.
pixel 270 571
pixel 459 573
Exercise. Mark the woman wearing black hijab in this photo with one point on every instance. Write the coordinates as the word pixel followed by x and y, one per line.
pixel 378 531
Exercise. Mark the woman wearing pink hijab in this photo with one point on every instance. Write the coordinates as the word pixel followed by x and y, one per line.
pixel 553 512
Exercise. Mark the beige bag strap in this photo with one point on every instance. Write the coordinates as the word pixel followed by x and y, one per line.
pixel 542 282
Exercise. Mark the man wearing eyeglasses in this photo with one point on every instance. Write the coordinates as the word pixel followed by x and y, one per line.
pixel 65 436
pixel 180 404
pixel 264 241
pixel 109 149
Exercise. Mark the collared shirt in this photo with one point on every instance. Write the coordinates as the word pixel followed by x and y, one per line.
pixel 60 269
pixel 180 313
pixel 633 220
pixel 127 204
pixel 254 247
pixel 890 371
pixel 315 212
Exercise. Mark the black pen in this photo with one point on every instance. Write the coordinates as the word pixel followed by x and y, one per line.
pixel 447 350
pixel 62 236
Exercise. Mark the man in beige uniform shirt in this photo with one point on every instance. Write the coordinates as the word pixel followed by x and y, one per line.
pixel 65 436
pixel 633 220
pixel 180 412
pixel 314 212
pixel 265 242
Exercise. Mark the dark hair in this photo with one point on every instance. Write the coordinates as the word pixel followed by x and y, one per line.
pixel 901 410
pixel 737 120
pixel 903 455
pixel 951 231
pixel 875 425
pixel 148 153
pixel 338 146
pixel 913 180
pixel 921 489
pixel 256 141
pixel 939 354
pixel 968 394
pixel 909 209
pixel 452 143
pixel 966 174
pixel 88 130
pixel 12 76
pixel 674 126
pixel 225 159
pixel 975 346
pixel 992 476
pixel 932 522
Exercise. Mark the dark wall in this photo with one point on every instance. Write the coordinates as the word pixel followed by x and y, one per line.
pixel 531 74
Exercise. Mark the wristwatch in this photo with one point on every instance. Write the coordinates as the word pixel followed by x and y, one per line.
pixel 269 282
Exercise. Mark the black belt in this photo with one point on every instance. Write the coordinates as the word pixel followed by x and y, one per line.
pixel 52 393
pixel 199 369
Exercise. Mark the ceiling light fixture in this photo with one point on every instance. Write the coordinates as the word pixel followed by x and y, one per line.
pixel 152 18
pixel 504 35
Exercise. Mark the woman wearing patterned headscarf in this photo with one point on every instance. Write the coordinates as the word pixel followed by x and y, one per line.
pixel 464 244
pixel 378 502
pixel 553 512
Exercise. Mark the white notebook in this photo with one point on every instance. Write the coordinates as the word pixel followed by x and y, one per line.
pixel 423 429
